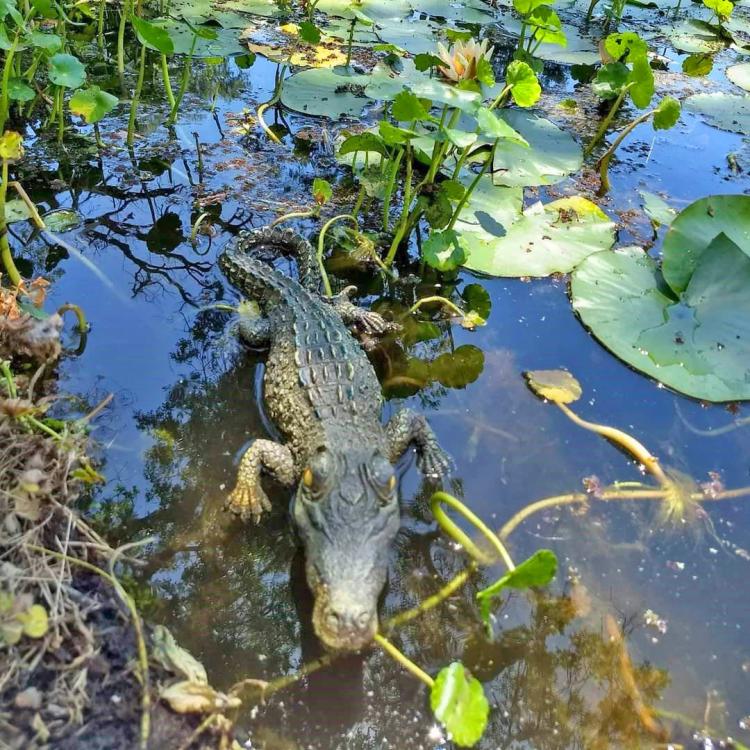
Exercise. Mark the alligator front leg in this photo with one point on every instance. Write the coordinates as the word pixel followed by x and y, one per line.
pixel 248 499
pixel 407 428
pixel 365 322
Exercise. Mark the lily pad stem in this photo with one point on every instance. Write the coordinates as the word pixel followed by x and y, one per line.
pixel 395 164
pixel 403 660
pixel 33 212
pixel 628 442
pixel 603 163
pixel 124 16
pixel 136 96
pixel 5 254
pixel 184 81
pixel 167 83
pixel 606 122
pixel 501 97
pixel 404 221
pixel 270 103
pixel 196 226
pixel 83 325
pixel 472 186
pixel 321 248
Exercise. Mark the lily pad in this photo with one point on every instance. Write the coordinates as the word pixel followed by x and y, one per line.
pixel 551 156
pixel 457 699
pixel 695 36
pixel 558 386
pixel 727 111
pixel 657 209
pixel 697 343
pixel 695 228
pixel 326 92
pixel 490 208
pixel 740 75
pixel 546 239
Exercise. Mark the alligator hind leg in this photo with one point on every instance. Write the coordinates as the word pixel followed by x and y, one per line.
pixel 407 428
pixel 254 328
pixel 248 499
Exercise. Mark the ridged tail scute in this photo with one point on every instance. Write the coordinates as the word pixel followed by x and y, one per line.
pixel 258 242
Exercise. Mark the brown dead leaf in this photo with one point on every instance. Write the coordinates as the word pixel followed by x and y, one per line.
pixel 187 697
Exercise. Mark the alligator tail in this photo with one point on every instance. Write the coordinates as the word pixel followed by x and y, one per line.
pixel 257 243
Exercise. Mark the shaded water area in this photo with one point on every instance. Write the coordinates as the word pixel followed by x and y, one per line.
pixel 187 402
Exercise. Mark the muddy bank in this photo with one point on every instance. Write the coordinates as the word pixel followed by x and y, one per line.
pixel 78 667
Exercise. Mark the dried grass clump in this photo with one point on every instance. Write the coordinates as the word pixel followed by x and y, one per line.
pixel 71 643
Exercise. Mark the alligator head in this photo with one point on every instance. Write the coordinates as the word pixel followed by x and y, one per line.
pixel 347 514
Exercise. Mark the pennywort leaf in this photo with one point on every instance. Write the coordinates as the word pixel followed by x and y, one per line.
pixel 457 699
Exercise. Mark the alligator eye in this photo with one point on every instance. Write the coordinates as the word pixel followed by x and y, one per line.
pixel 382 474
pixel 307 477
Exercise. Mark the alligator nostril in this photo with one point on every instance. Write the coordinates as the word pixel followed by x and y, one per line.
pixel 363 620
pixel 333 620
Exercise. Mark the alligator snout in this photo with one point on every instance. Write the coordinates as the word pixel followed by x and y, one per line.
pixel 344 625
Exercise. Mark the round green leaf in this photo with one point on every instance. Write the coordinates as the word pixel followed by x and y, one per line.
pixel 365 141
pixel 526 89
pixel 407 108
pixel 321 190
pixel 642 79
pixel 657 209
pixel 48 42
pixel 726 111
pixel 66 70
pixel 698 345
pixel 477 300
pixel 666 114
pixel 541 567
pixel 19 90
pixel 558 386
pixel 457 699
pixel 552 155
pixel 493 127
pixel 740 75
pixel 695 36
pixel 442 250
pixel 695 228
pixel 16 210
pixel 610 79
pixel 326 92
pixel 626 45
pixel 62 220
pixel 544 240
pixel 35 621
pixel 698 64
pixel 458 368
pixel 152 36
pixel 92 103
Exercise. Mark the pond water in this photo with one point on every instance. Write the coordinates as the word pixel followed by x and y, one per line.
pixel 186 404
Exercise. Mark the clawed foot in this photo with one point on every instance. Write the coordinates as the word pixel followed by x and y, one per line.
pixel 434 462
pixel 366 323
pixel 248 502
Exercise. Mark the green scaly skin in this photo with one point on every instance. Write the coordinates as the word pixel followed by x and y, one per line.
pixel 323 395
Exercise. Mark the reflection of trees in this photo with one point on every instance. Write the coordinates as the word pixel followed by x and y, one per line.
pixel 231 594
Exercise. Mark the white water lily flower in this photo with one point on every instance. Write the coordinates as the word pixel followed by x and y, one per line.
pixel 462 58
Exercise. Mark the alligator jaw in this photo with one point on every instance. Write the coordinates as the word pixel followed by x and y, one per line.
pixel 342 623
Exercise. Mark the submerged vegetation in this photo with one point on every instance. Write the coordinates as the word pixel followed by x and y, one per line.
pixel 434 142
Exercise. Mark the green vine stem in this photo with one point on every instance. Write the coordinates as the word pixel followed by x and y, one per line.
pixel 461 538
pixel 321 248
pixel 607 121
pixel 603 163
pixel 124 17
pixel 310 213
pixel 83 325
pixel 501 97
pixel 136 96
pixel 403 660
pixel 435 299
pixel 395 164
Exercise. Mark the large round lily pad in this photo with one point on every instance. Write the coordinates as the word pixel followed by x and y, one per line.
pixel 546 239
pixel 698 344
pixel 326 93
pixel 694 229
pixel 740 75
pixel 551 156
pixel 726 111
